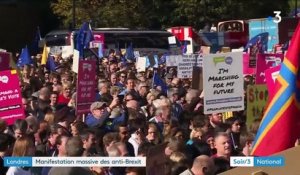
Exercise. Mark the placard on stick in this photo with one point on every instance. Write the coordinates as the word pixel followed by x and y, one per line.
pixel 223 82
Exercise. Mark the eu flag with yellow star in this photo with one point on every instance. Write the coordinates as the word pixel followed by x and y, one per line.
pixel 279 128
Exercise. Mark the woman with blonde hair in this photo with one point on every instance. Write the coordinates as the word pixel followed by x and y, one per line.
pixel 148 110
pixel 49 118
pixel 24 147
pixel 178 157
pixel 65 96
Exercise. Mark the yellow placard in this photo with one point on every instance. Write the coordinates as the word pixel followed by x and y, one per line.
pixel 257 97
pixel 227 115
pixel 13 72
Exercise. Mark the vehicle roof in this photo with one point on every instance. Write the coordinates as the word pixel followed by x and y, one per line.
pixel 59 32
pixel 113 31
pixel 124 30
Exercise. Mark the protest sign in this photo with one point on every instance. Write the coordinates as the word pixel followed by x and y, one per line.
pixel 4 61
pixel 64 51
pixel 225 49
pixel 186 64
pixel 223 82
pixel 252 56
pixel 11 107
pixel 141 64
pixel 98 38
pixel 271 75
pixel 205 50
pixel 75 61
pixel 265 61
pixel 172 39
pixel 237 50
pixel 257 97
pixel 67 51
pixel 227 115
pixel 136 54
pixel 172 60
pixel 257 26
pixel 86 85
pixel 246 69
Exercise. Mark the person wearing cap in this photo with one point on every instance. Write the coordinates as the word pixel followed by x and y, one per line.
pixel 98 114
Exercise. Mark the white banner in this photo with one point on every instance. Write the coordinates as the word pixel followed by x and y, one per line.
pixel 141 64
pixel 223 82
pixel 171 60
pixel 186 64
pixel 75 61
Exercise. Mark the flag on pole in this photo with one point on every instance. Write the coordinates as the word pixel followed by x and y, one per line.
pixel 24 58
pixel 100 50
pixel 147 61
pixel 157 81
pixel 44 56
pixel 156 61
pixel 184 48
pixel 84 37
pixel 129 52
pixel 50 65
pixel 163 59
pixel 260 41
pixel 279 128
pixel 35 44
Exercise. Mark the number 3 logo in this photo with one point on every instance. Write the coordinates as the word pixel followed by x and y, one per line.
pixel 277 17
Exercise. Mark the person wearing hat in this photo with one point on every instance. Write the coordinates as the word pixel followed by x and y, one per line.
pixel 98 114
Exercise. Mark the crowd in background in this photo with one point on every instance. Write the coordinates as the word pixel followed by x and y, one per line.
pixel 143 118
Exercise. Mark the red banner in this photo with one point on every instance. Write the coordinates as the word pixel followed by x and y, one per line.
pixel 11 107
pixel 86 85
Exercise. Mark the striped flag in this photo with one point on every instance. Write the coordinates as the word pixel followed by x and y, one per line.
pixel 279 128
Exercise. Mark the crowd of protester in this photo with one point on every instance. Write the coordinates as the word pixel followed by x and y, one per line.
pixel 142 119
